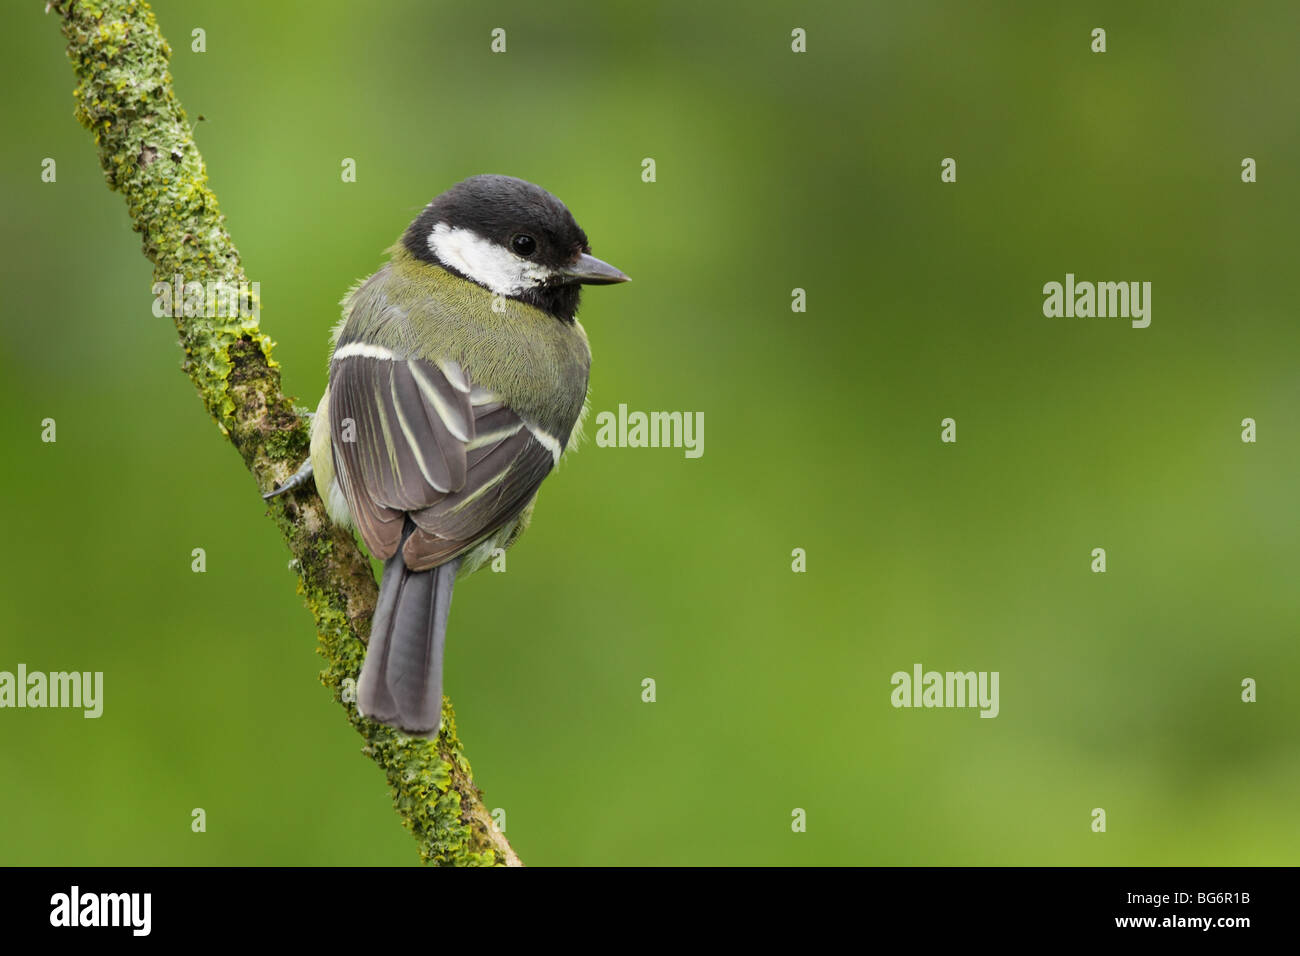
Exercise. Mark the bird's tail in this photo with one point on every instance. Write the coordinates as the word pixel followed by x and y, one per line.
pixel 401 679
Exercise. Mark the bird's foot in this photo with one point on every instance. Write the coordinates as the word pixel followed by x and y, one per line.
pixel 299 477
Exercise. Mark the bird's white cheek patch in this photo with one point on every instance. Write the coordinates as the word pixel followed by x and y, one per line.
pixel 484 261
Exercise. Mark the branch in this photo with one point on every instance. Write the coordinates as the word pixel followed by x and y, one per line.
pixel 146 147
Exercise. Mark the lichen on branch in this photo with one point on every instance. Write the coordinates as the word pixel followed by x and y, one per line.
pixel 146 147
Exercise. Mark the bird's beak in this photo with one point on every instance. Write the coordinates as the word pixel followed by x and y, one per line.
pixel 588 270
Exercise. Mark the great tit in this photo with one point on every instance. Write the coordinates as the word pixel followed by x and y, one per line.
pixel 458 375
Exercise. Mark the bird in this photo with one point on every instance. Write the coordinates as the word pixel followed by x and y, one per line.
pixel 457 380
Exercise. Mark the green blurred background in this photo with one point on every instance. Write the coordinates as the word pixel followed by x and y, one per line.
pixel 775 171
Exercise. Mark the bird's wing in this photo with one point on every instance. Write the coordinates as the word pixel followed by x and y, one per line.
pixel 414 437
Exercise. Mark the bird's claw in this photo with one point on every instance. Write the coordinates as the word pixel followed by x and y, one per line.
pixel 298 478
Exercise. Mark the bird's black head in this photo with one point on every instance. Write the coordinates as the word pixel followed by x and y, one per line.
pixel 512 238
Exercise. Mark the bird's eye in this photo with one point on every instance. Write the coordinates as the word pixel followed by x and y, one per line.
pixel 523 245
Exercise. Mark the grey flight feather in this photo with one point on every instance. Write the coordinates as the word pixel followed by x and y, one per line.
pixel 406 457
pixel 401 679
